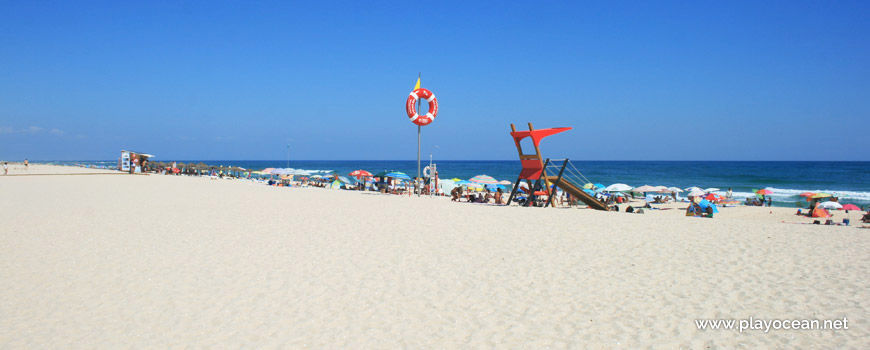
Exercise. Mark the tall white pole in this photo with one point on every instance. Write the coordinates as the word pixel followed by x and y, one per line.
pixel 417 183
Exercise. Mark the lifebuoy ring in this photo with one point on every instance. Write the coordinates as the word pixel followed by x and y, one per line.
pixel 421 120
pixel 427 170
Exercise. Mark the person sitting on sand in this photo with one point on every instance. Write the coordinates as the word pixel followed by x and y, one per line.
pixel 629 209
pixel 709 212
pixel 454 194
pixel 866 217
pixel 498 196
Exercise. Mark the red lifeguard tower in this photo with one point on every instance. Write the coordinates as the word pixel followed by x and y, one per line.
pixel 534 168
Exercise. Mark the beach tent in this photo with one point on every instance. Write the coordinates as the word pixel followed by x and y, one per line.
pixel 705 203
pixel 446 185
pixel 821 213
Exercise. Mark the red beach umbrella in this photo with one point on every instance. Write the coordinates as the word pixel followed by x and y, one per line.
pixel 764 192
pixel 850 207
pixel 807 194
pixel 360 174
pixel 713 197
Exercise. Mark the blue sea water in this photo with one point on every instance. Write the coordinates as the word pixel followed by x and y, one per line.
pixel 849 180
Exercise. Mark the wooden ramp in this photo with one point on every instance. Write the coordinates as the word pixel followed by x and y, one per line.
pixel 577 192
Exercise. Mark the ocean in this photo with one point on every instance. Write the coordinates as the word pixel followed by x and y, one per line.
pixel 848 180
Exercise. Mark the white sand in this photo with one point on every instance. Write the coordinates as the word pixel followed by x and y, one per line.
pixel 120 261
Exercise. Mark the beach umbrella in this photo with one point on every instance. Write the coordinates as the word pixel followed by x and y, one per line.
pixel 505 182
pixel 588 186
pixel 807 194
pixel 829 205
pixel 484 179
pixel 820 195
pixel 674 189
pixel 617 188
pixel 646 188
pixel 455 179
pixel 398 175
pixel 461 182
pixel 589 192
pixel 662 189
pixel 764 192
pixel 599 187
pixel 694 188
pixel 714 197
pixel 711 189
pixel 316 176
pixel 696 193
pixel 360 173
pixel 850 207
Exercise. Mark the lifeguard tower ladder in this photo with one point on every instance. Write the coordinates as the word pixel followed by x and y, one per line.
pixel 534 168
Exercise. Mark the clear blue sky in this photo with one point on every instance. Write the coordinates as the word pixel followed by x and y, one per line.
pixel 689 80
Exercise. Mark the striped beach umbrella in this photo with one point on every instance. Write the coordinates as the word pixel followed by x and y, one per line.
pixel 484 179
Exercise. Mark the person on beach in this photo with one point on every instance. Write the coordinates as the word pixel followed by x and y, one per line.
pixel 25 163
pixel 769 201
pixel 5 168
pixel 498 196
pixel 729 193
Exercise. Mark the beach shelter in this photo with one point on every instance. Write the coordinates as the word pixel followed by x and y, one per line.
pixel 705 203
pixel 821 213
pixel 336 185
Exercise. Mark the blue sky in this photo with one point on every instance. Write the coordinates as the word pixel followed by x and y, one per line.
pixel 705 80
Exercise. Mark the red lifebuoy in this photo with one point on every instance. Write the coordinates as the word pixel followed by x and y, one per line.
pixel 422 120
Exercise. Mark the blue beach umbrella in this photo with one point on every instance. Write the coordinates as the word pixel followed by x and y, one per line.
pixel 588 191
pixel 398 175
pixel 599 187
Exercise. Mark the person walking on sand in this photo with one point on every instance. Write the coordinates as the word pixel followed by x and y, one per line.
pixel 729 193
pixel 5 168
pixel 25 163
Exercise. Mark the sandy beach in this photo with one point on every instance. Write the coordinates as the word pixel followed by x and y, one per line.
pixel 114 261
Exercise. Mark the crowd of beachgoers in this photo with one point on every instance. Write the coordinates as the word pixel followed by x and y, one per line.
pixel 485 189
